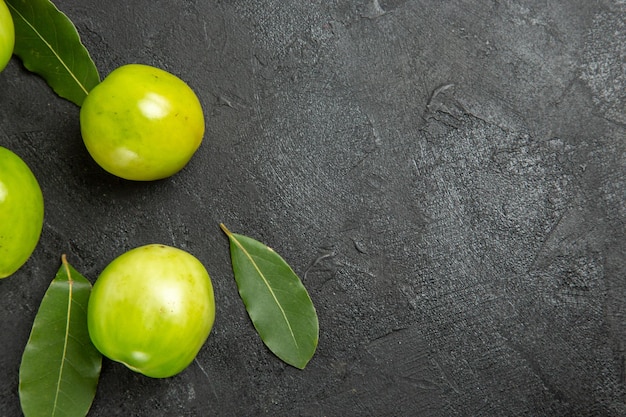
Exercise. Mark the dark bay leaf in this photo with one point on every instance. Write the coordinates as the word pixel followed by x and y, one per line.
pixel 48 44
pixel 60 366
pixel 276 300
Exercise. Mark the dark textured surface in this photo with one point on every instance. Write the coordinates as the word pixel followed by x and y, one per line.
pixel 446 177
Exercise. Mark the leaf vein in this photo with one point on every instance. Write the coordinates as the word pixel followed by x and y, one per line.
pixel 49 46
pixel 66 339
pixel 269 287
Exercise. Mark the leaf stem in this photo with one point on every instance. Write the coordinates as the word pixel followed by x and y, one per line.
pixel 66 266
pixel 225 230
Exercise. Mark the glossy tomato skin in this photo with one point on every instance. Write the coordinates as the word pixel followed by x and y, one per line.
pixel 142 123
pixel 7 35
pixel 152 309
pixel 21 212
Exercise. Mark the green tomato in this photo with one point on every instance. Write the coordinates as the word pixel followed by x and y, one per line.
pixel 7 35
pixel 142 123
pixel 21 212
pixel 152 309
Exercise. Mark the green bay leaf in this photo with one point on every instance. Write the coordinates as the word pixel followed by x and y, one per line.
pixel 277 302
pixel 48 44
pixel 60 366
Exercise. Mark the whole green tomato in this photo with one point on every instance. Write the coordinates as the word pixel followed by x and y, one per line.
pixel 152 309
pixel 142 123
pixel 21 212
pixel 7 35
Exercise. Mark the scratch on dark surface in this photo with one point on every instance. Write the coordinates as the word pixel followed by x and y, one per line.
pixel 390 333
pixel 209 381
pixel 226 37
pixel 317 261
pixel 617 123
pixel 359 246
pixel 538 371
pixel 430 106
pixel 374 11
pixel 547 238
pixel 225 101
pixel 378 8
pixel 370 151
pixel 603 68
pixel 377 137
pixel 444 376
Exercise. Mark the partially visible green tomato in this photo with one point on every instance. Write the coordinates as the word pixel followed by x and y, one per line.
pixel 142 123
pixel 7 35
pixel 21 212
pixel 152 309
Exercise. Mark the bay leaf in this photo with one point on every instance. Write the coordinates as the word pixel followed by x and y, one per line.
pixel 60 366
pixel 277 302
pixel 49 45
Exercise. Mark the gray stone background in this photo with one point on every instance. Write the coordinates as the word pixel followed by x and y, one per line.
pixel 447 178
